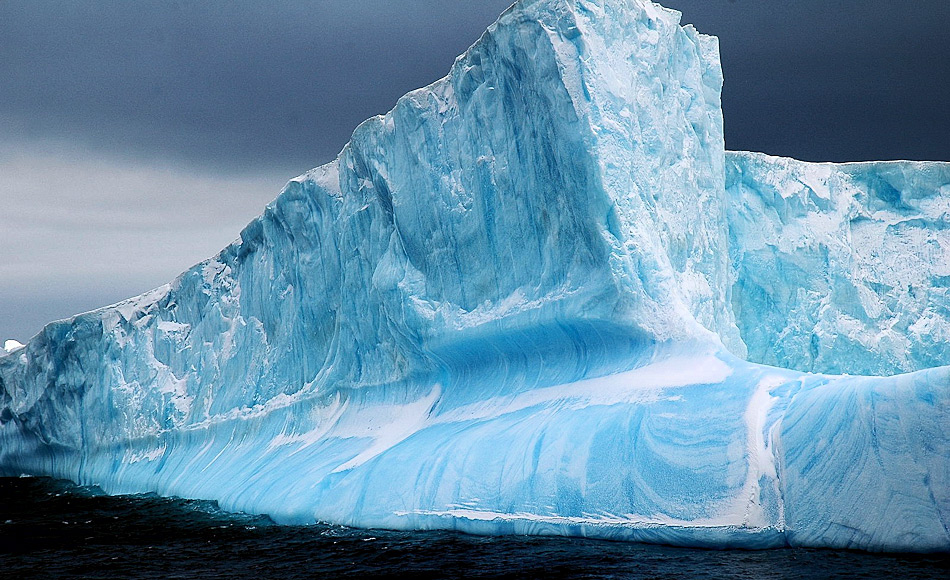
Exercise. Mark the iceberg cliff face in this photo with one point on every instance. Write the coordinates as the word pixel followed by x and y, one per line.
pixel 519 302
pixel 841 268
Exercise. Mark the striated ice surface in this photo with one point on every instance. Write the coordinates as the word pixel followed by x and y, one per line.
pixel 841 268
pixel 522 302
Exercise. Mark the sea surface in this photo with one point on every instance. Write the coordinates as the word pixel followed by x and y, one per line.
pixel 53 529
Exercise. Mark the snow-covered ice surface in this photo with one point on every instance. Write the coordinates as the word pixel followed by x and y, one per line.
pixel 521 302
pixel 12 345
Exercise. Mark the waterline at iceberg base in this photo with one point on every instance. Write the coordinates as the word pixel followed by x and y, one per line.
pixel 538 296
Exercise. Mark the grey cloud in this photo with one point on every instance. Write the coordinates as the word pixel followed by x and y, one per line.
pixel 222 84
pixel 839 80
pixel 232 85
pixel 78 232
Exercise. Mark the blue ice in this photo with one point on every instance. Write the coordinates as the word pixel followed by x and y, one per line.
pixel 539 297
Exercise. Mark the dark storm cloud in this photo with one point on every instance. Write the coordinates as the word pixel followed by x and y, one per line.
pixel 222 83
pixel 233 85
pixel 833 80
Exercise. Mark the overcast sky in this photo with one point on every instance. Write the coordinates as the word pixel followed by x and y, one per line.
pixel 137 138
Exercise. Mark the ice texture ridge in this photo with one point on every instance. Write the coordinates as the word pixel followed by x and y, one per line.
pixel 538 297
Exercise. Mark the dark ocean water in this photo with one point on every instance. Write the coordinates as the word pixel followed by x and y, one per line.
pixel 52 529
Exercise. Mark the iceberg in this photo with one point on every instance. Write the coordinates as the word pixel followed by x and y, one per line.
pixel 841 268
pixel 12 345
pixel 539 297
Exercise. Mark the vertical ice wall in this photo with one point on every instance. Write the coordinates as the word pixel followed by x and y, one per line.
pixel 841 268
